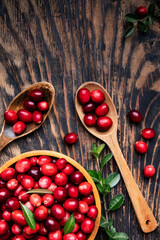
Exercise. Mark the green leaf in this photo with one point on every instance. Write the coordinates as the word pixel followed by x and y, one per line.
pixel 151 9
pixel 100 148
pixel 95 154
pixel 106 158
pixel 93 175
pixel 28 216
pixel 116 202
pixel 113 179
pixel 112 230
pixel 110 234
pixel 103 181
pixel 107 189
pixel 151 21
pixel 130 31
pixel 110 222
pixel 131 18
pixel 103 223
pixel 69 225
pixel 40 191
pixel 120 236
pixel 94 147
pixel 143 26
pixel 99 175
pixel 100 188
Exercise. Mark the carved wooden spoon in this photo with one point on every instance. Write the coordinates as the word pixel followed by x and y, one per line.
pixel 7 134
pixel 144 215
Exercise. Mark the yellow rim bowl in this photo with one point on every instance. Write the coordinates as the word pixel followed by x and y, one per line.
pixel 76 165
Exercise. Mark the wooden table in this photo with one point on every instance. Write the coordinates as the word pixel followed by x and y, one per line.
pixel 67 43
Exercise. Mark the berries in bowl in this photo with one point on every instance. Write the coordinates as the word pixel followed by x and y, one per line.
pixel 55 188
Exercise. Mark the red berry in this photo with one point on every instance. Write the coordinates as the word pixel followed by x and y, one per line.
pixel 141 12
pixel 87 225
pixel 149 171
pixel 42 229
pixel 2 183
pixel 29 105
pixel 135 116
pixel 18 217
pixel 16 229
pixel 12 204
pixel 33 160
pixel 104 123
pixel 27 182
pixel 43 159
pixel 6 215
pixel 7 174
pixel 35 173
pixel 48 200
pixel 70 236
pixel 79 217
pixel 4 194
pixel 64 220
pixel 81 235
pixel 24 115
pixel 93 212
pixel 17 190
pixel 3 227
pixel 23 196
pixel 90 119
pixel 102 110
pixel 40 238
pixel 19 127
pixel 148 133
pixel 83 207
pixel 57 235
pixel 51 224
pixel 27 230
pixel 12 184
pixel 61 163
pixel 70 138
pixel 76 177
pixel 58 212
pixel 10 116
pixel 18 237
pixel 23 165
pixel 30 206
pixel 89 107
pixel 60 194
pixel 49 169
pixel 52 187
pixel 73 192
pixel 61 179
pixel 37 117
pixel 76 228
pixel 89 199
pixel 71 204
pixel 97 96
pixel 83 95
pixel 68 170
pixel 85 188
pixel 41 213
pixel 35 200
pixel 141 147
pixel 43 106
pixel 36 95
pixel 44 182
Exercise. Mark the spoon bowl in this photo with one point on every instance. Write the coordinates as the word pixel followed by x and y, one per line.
pixel 7 134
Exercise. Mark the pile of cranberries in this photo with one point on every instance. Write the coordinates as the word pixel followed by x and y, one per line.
pixel 72 194
pixel 95 109
pixel 34 106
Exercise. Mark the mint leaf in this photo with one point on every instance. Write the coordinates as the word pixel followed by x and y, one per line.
pixel 95 154
pixel 93 175
pixel 113 179
pixel 69 225
pixel 28 216
pixel 131 18
pixel 94 147
pixel 100 148
pixel 120 236
pixel 151 21
pixel 103 223
pixel 151 9
pixel 129 31
pixel 107 189
pixel 99 175
pixel 106 158
pixel 100 188
pixel 116 202
pixel 143 26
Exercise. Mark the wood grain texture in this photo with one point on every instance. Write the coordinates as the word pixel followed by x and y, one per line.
pixel 67 43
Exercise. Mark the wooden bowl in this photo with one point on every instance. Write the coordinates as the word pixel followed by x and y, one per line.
pixel 72 162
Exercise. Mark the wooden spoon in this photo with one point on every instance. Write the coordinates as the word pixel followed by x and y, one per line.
pixel 7 134
pixel 144 215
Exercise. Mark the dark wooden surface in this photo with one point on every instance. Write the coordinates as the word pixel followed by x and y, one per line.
pixel 67 43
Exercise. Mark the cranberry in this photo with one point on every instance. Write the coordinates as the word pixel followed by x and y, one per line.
pixel 79 217
pixel 61 179
pixel 43 159
pixel 73 192
pixel 40 238
pixel 43 106
pixel 27 182
pixel 58 212
pixel 19 127
pixel 35 173
pixel 35 200
pixel 44 182
pixel 10 116
pixel 149 171
pixel 70 138
pixel 33 161
pixel 18 217
pixel 36 185
pixel 28 236
pixel 90 119
pixel 12 204
pixel 54 160
pixel 148 133
pixel 81 236
pixel 12 184
pixel 17 190
pixel 30 206
pixel 89 107
pixel 29 105
pixel 87 225
pixel 37 117
pixel 36 95
pixel 3 208
pixel 141 12
pixel 41 213
pixel 18 237
pixel 23 165
pixel 83 207
pixel 23 196
pixel 4 194
pixel 135 116
pixel 104 123
pixel 42 229
pixel 97 96
pixel 93 212
pixel 68 185
pixel 70 236
pixel 24 115
pixel 16 229
pixel 60 194
pixel 3 227
pixel 6 215
pixel 85 188
pixel 7 174
pixel 57 235
pixel 76 228
pixel 68 170
pixel 76 177
pixel 83 95
pixel 27 230
pixel 51 224
pixel 2 183
pixel 64 220
pixel 49 169
pixel 48 200
pixel 89 199
pixel 102 110
pixel 61 163
pixel 52 187
pixel 141 147
pixel 7 235
pixel 71 204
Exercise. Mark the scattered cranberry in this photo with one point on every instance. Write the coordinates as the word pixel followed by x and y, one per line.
pixel 102 110
pixel 104 123
pixel 97 96
pixel 70 138
pixel 49 169
pixel 60 194
pixel 35 200
pixel 23 165
pixel 36 95
pixel 51 224
pixel 85 188
pixel 83 95
pixel 19 127
pixel 41 213
pixel 90 119
pixel 148 133
pixel 135 116
pixel 16 229
pixel 89 107
pixel 149 171
pixel 56 235
pixel 18 217
pixel 3 227
pixel 10 116
pixel 29 105
pixel 43 106
pixel 24 115
pixel 141 147
pixel 12 204
pixel 141 12
pixel 58 212
pixel 87 225
pixel 37 117
pixel 6 215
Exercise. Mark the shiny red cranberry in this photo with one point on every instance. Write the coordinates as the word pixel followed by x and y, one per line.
pixel 4 194
pixel 48 200
pixel 61 163
pixel 27 182
pixel 27 230
pixel 83 95
pixel 23 196
pixel 36 185
pixel 10 117
pixel 29 205
pixel 42 229
pixel 29 105
pixel 61 179
pixel 97 96
pixel 60 194
pixel 79 217
pixel 51 224
pixel 40 238
pixel 36 95
pixel 24 115
pixel 141 147
pixel 93 212
pixel 81 235
pixel 58 212
pixel 89 199
pixel 104 123
pixel 12 204
pixel 2 183
pixel 7 235
pixel 90 119
pixel 28 236
pixel 70 236
pixel 64 220
pixel 18 217
pixel 102 110
pixel 23 165
pixel 3 227
pixel 7 174
pixel 149 171
pixel 17 190
pixel 56 235
pixel 68 170
pixel 49 169
pixel 85 188
pixel 89 107
pixel 18 237
pixel 52 187
pixel 41 213
pixel 141 12
pixel 44 182
pixel 35 200
pixel 71 204
pixel 19 127
pixel 73 192
pixel 33 161
pixel 20 176
pixel 43 106
pixel 16 229
pixel 135 116
pixel 6 215
pixel 35 173
pixel 148 133
pixel 76 228
pixel 70 138
pixel 37 117
pixel 76 177
pixel 83 207
pixel 87 225
pixel 12 184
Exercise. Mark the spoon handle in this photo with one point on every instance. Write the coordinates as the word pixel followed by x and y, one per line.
pixel 4 140
pixel 144 214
